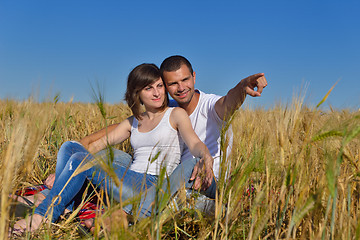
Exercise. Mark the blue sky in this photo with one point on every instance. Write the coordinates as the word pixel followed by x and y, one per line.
pixel 50 47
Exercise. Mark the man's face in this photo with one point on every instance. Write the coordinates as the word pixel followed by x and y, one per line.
pixel 180 84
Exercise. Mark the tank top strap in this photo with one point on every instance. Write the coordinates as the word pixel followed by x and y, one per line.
pixel 166 117
pixel 134 124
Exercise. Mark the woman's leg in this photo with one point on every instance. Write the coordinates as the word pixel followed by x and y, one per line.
pixel 66 190
pixel 65 152
pixel 119 157
pixel 66 186
pixel 130 183
pixel 68 148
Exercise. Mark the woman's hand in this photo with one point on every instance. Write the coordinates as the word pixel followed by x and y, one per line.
pixel 203 173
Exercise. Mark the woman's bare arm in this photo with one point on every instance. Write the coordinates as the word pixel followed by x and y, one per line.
pixel 97 135
pixel 120 133
pixel 203 171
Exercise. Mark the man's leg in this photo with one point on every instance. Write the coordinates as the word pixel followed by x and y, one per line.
pixel 205 201
pixel 211 191
pixel 178 178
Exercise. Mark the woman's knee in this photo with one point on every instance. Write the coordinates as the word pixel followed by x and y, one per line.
pixel 66 146
pixel 66 151
pixel 76 159
pixel 71 147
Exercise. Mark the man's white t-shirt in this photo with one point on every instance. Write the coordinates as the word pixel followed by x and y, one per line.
pixel 207 125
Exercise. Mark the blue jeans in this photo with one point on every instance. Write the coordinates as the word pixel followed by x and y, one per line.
pixel 65 152
pixel 179 178
pixel 67 149
pixel 66 186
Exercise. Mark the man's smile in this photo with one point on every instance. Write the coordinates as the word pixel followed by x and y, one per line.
pixel 182 94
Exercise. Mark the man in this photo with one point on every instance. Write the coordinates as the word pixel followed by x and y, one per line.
pixel 208 114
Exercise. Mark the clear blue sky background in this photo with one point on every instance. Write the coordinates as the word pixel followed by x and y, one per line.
pixel 49 47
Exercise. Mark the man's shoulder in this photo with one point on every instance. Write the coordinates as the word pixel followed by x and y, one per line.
pixel 208 97
pixel 207 106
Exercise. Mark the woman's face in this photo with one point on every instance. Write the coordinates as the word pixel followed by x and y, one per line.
pixel 153 95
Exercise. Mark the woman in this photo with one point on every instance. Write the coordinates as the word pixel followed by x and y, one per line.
pixel 156 136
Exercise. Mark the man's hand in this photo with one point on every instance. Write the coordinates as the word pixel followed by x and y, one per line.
pixel 202 174
pixel 229 103
pixel 254 81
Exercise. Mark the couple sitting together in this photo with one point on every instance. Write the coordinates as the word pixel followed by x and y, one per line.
pixel 157 137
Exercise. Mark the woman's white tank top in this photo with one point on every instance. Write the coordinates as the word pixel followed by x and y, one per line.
pixel 160 147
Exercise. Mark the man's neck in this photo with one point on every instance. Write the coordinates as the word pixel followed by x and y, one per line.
pixel 190 106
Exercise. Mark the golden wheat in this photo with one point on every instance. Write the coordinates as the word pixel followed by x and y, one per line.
pixel 295 171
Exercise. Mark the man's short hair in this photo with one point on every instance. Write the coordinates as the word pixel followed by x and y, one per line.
pixel 174 63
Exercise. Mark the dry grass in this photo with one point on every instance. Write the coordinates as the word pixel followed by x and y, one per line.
pixel 302 163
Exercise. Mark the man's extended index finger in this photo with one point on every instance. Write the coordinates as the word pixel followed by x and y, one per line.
pixel 255 77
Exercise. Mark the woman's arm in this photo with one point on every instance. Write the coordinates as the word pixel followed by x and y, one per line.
pixel 117 135
pixel 97 135
pixel 203 171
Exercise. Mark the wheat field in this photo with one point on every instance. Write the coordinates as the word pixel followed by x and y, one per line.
pixel 295 172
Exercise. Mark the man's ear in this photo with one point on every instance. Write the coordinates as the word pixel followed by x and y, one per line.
pixel 194 76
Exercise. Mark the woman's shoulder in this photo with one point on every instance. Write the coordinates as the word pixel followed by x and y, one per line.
pixel 178 114
pixel 128 122
pixel 178 111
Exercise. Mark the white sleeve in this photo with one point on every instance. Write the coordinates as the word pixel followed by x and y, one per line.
pixel 211 109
